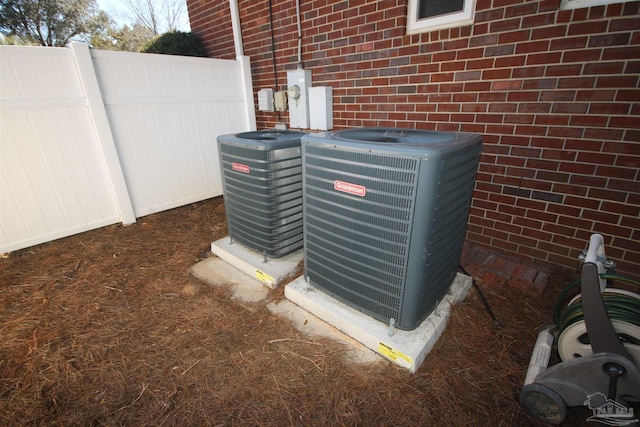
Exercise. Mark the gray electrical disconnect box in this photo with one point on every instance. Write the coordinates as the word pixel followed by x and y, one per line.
pixel 385 217
pixel 262 185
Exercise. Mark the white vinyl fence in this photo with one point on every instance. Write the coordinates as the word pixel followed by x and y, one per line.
pixel 90 138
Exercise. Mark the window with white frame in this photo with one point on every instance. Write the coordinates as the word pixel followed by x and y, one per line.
pixel 431 15
pixel 577 4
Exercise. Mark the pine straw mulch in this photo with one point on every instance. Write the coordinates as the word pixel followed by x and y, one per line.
pixel 109 328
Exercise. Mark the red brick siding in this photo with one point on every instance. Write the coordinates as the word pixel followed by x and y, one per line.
pixel 556 95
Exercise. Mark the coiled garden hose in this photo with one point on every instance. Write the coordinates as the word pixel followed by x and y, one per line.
pixel 621 307
pixel 559 305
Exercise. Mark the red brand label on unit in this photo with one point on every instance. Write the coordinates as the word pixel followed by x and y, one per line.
pixel 346 187
pixel 240 167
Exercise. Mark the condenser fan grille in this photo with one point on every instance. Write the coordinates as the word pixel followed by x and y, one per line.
pixel 356 247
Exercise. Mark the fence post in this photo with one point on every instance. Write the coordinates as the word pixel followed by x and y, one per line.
pixel 89 82
pixel 245 75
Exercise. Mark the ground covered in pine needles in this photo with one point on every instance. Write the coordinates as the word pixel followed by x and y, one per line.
pixel 108 328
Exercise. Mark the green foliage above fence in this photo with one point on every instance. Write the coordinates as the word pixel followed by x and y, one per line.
pixel 176 43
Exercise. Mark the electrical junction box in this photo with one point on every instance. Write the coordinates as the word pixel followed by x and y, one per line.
pixel 298 83
pixel 321 108
pixel 280 99
pixel 265 100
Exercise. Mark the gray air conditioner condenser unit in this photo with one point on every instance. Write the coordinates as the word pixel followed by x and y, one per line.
pixel 385 214
pixel 262 185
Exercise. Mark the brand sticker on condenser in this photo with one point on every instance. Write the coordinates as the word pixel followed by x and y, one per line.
pixel 347 187
pixel 240 167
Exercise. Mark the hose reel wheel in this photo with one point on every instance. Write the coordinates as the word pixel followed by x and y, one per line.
pixel 623 309
pixel 543 403
pixel 574 342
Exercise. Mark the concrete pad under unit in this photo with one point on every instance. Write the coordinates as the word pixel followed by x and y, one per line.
pixel 218 272
pixel 407 349
pixel 271 272
pixel 310 325
pixel 246 289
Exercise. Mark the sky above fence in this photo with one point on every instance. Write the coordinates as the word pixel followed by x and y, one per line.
pixel 121 12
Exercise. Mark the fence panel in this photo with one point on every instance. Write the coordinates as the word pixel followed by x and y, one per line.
pixel 166 112
pixel 53 179
pixel 63 170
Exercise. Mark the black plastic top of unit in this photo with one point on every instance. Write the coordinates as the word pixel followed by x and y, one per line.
pixel 267 139
pixel 395 139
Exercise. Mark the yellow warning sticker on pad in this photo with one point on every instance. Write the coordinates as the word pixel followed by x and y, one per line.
pixel 264 277
pixel 395 355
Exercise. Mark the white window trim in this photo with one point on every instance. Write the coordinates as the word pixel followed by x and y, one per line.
pixel 578 4
pixel 450 20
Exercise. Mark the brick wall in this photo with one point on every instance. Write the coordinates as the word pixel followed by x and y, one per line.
pixel 555 94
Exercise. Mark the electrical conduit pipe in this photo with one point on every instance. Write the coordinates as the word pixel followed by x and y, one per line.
pixel 237 31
